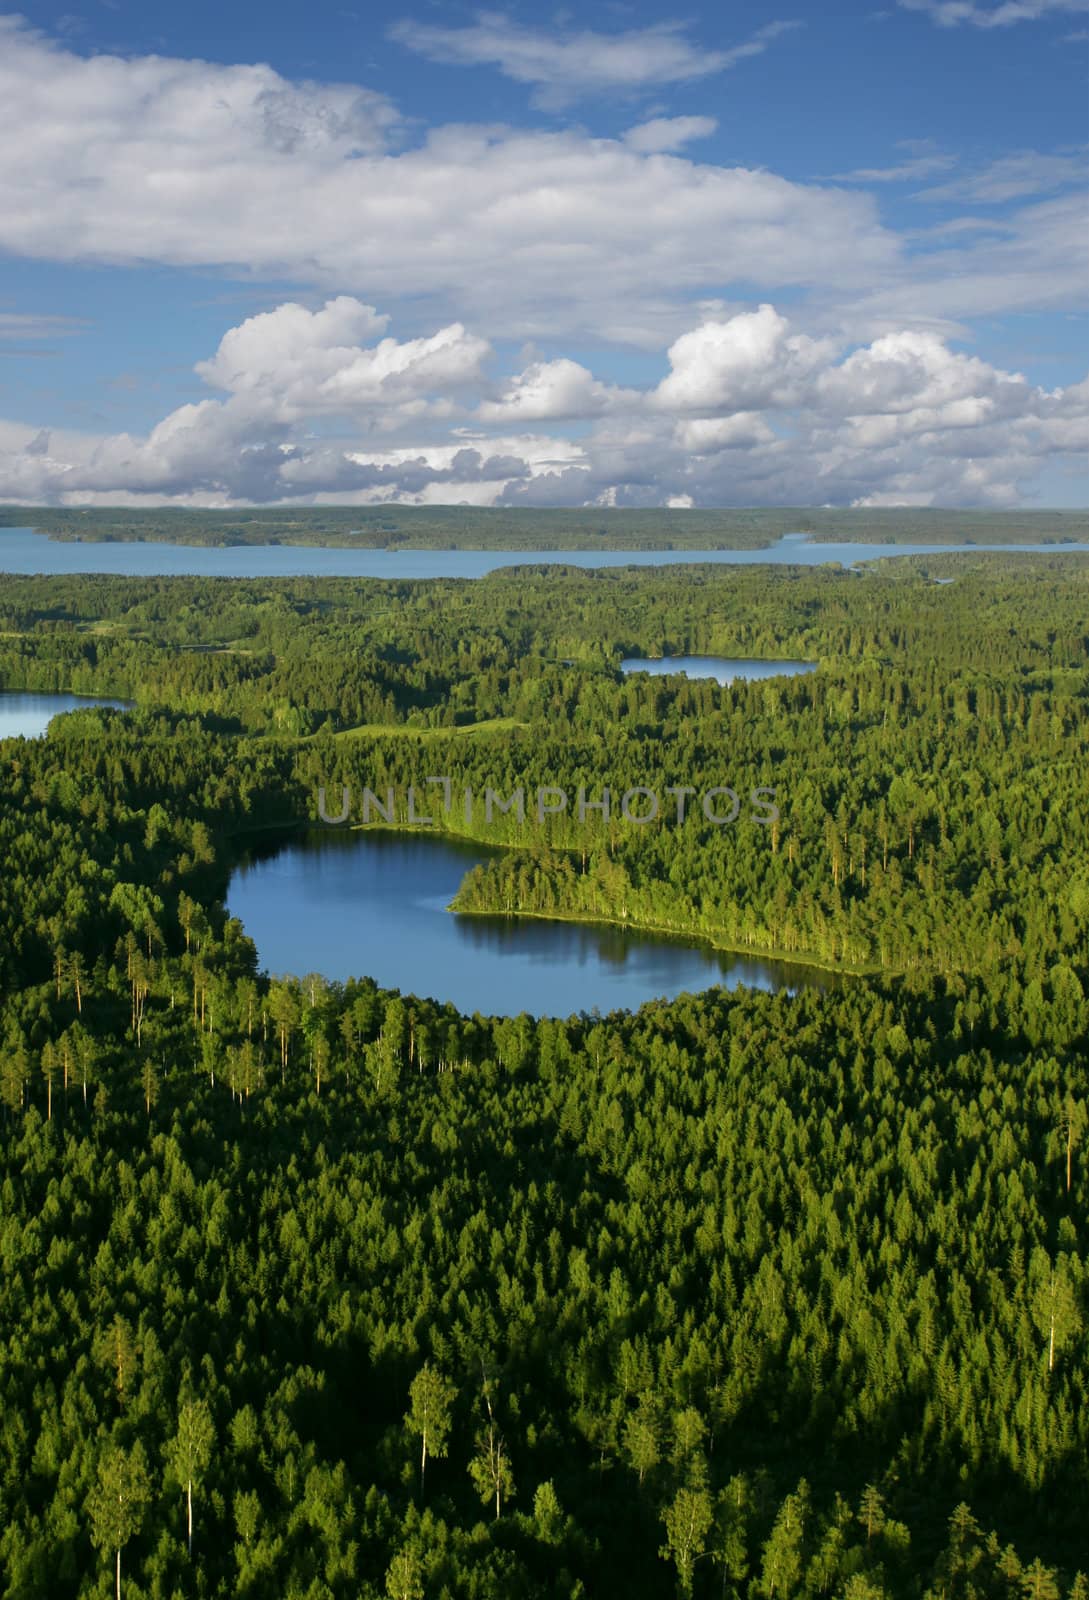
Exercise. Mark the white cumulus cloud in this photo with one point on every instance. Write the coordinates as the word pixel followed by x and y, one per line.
pixel 296 363
pixel 185 163
pixel 745 363
pixel 905 372
pixel 750 411
pixel 550 389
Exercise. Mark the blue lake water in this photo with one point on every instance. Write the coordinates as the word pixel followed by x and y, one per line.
pixel 23 551
pixel 347 904
pixel 724 669
pixel 28 715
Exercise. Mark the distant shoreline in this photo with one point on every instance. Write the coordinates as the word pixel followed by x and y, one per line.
pixel 398 528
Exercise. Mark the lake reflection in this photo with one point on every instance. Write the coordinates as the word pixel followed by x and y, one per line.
pixel 350 904
pixel 724 669
pixel 27 716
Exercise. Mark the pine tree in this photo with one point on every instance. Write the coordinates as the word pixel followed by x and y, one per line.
pixel 641 1441
pixel 116 1352
pixel 404 1580
pixel 1054 1305
pixel 1039 1582
pixel 14 1072
pixel 871 1511
pixel 547 1513
pixel 149 1082
pixel 49 1073
pixel 782 1562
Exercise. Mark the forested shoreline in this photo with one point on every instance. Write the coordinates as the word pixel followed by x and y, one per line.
pixel 927 801
pixel 505 528
pixel 748 1295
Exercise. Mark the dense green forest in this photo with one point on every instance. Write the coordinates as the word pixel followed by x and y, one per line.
pixel 929 777
pixel 313 1290
pixel 504 528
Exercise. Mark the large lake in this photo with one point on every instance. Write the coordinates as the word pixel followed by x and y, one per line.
pixel 28 715
pixel 352 904
pixel 22 550
pixel 724 669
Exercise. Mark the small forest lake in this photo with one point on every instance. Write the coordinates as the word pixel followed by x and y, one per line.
pixel 24 551
pixel 353 904
pixel 27 716
pixel 724 669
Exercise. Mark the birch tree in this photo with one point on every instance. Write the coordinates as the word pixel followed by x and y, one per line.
pixel 189 1453
pixel 431 1397
pixel 117 1502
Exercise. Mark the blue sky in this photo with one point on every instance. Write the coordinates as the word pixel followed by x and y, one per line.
pixel 761 254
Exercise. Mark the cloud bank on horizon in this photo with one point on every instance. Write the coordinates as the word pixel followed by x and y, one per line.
pixel 566 316
pixel 747 406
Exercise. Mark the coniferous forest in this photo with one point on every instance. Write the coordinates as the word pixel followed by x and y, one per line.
pixel 312 1290
pixel 395 525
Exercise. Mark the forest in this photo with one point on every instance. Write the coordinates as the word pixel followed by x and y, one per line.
pixel 505 528
pixel 314 1290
